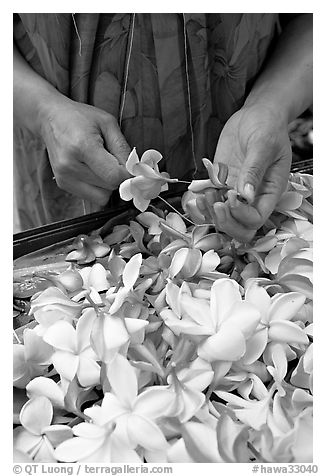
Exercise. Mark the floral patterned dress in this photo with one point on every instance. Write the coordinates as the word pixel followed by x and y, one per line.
pixel 171 80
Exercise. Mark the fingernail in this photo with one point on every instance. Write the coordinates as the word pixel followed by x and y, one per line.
pixel 249 191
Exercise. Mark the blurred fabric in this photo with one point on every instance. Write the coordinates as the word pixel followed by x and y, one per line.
pixel 187 74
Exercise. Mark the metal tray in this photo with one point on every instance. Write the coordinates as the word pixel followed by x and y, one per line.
pixel 64 231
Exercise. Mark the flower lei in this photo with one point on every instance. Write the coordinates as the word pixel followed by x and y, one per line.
pixel 169 342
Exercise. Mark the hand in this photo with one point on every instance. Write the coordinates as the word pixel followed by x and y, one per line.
pixel 86 149
pixel 255 145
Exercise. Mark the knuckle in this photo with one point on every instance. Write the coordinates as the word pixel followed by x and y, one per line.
pixel 254 174
pixel 60 180
pixel 63 166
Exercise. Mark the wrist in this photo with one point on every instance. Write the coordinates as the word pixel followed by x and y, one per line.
pixel 273 104
pixel 46 105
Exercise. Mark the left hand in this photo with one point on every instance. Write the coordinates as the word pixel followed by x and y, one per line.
pixel 255 145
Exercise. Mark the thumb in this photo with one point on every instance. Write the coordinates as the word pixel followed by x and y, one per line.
pixel 115 141
pixel 258 158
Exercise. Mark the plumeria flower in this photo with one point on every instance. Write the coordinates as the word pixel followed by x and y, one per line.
pixel 88 249
pixel 217 172
pixel 37 437
pixel 187 386
pixel 181 346
pixel 148 182
pixel 303 373
pixel 151 221
pixel 73 354
pixel 111 328
pixel 46 387
pixel 283 248
pixel 287 437
pixel 135 415
pixel 188 262
pixel 251 412
pixel 201 442
pixel 232 439
pixel 226 320
pixel 277 315
pixel 295 272
pixel 95 277
pixel 130 275
pixel 53 305
pixel 97 441
pixel 30 359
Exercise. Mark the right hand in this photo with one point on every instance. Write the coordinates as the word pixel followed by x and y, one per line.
pixel 86 148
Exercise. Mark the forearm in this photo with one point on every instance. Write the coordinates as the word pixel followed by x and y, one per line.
pixel 32 94
pixel 285 84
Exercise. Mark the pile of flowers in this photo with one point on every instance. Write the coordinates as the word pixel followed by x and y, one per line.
pixel 167 341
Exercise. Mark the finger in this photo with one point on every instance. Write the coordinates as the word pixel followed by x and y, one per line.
pixel 244 213
pixel 227 224
pixel 258 158
pixel 84 174
pixel 105 166
pixel 115 141
pixel 83 190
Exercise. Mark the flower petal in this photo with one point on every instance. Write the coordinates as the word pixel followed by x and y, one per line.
pixel 66 364
pixel 287 331
pixel 201 442
pixel 19 363
pixel 25 441
pixel 123 379
pixel 135 325
pixel 198 375
pixel 110 409
pixel 89 430
pixel 62 336
pixel 36 350
pixel 131 271
pixel 57 434
pixel 198 310
pixel 178 261
pixel 132 160
pixel 77 448
pixel 42 386
pixel 97 278
pixel 154 402
pixel 151 157
pixel 255 346
pixel 245 317
pixel 192 402
pixel 210 261
pixel 177 453
pixel 36 414
pixel 119 299
pixel 259 297
pixel 119 453
pixel 286 306
pixel 227 344
pixel 185 326
pixel 224 294
pixel 115 332
pixel 125 190
pixel 289 201
pixel 84 328
pixel 141 203
pixel 147 434
pixel 88 372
